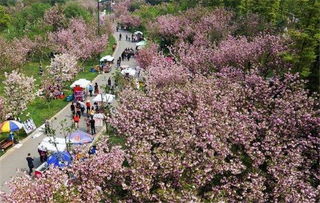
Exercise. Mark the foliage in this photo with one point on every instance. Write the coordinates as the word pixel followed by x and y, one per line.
pixel 73 10
pixel 29 21
pixel 4 18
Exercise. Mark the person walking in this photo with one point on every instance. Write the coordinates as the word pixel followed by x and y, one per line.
pixel 90 88
pixel 30 163
pixel 120 36
pixel 88 125
pixel 96 89
pixel 109 82
pixel 88 105
pixel 78 109
pixel 82 108
pixel 93 126
pixel 76 120
pixel 47 127
pixel 73 108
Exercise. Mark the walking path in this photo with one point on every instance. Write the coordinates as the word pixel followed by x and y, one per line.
pixel 15 158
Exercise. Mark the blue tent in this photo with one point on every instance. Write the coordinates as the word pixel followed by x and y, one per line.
pixel 60 159
pixel 79 137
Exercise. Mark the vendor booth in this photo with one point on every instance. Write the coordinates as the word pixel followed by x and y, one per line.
pixel 78 93
pixel 80 137
pixel 106 63
pixel 137 36
pixel 83 83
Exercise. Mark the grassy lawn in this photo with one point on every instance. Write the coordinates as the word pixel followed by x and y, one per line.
pixel 40 109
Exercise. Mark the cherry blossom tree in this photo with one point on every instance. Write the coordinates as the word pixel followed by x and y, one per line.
pixel 145 56
pixel 55 17
pixel 63 67
pixel 228 138
pixel 15 53
pixel 129 20
pixel 79 39
pixel 18 92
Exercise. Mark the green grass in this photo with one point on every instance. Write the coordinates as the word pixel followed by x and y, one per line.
pixel 116 140
pixel 111 42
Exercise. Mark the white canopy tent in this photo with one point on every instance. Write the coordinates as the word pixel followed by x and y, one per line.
pixel 109 98
pixel 53 144
pixel 138 33
pixel 107 58
pixel 130 71
pixel 81 82
pixel 142 43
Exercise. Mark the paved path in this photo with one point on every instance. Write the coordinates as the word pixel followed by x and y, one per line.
pixel 14 159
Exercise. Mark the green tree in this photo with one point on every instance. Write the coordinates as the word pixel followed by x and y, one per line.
pixel 73 10
pixel 4 18
pixel 29 21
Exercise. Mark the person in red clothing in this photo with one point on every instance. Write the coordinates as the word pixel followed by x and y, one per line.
pixel 88 105
pixel 76 120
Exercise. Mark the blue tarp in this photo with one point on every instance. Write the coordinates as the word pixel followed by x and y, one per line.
pixel 79 137
pixel 60 159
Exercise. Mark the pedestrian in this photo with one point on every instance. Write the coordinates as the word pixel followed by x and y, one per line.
pixel 126 37
pixel 92 112
pixel 93 150
pixel 11 136
pixel 47 127
pixel 93 126
pixel 30 163
pixel 76 120
pixel 88 125
pixel 120 36
pixel 40 152
pixel 90 90
pixel 78 110
pixel 109 82
pixel 82 108
pixel 96 89
pixel 88 105
pixel 96 106
pixel 73 108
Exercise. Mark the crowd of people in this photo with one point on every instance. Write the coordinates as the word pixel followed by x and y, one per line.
pixel 127 54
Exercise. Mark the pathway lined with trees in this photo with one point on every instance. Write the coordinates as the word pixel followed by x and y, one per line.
pixel 14 159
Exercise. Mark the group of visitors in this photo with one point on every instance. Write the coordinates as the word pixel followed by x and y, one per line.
pixel 127 54
pixel 78 110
